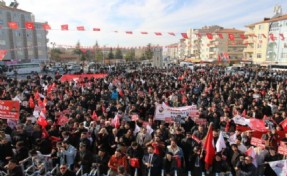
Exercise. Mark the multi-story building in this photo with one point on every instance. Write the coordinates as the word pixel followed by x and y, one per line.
pixel 181 49
pixel 233 47
pixel 256 41
pixel 172 51
pixel 21 44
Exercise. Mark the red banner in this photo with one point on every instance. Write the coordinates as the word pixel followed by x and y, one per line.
pixel 9 109
pixel 2 54
pixel 257 142
pixel 79 77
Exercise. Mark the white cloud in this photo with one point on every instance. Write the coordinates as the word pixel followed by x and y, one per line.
pixel 141 15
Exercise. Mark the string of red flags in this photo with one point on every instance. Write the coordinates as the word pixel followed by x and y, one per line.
pixel 211 36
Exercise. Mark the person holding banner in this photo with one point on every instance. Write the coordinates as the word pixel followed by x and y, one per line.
pixel 271 156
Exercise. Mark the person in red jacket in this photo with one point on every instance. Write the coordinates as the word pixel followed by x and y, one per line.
pixel 116 160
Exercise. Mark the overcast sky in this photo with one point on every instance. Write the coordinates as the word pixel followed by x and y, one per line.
pixel 142 16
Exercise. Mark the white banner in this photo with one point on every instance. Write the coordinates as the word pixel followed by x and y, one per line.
pixel 279 167
pixel 163 112
pixel 241 120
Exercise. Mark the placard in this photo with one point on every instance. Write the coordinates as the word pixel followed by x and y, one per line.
pixel 9 109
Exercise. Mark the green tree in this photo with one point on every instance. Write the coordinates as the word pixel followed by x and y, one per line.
pixel 78 50
pixel 55 54
pixel 148 52
pixel 111 54
pixel 98 53
pixel 130 56
pixel 119 54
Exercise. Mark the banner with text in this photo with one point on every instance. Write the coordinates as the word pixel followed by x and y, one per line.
pixel 163 112
pixel 9 109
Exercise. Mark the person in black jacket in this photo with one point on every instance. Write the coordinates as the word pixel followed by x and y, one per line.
pixel 14 169
pixel 246 167
pixel 271 156
pixel 84 158
pixel 219 165
pixel 101 161
pixel 169 164
pixel 134 151
pixel 64 171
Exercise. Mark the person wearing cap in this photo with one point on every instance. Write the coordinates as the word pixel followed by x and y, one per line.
pixel 116 160
pixel 169 164
pixel 84 158
pixel 13 168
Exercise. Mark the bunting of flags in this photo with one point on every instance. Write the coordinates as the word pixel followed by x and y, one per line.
pixel 65 27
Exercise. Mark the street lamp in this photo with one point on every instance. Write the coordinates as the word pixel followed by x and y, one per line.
pixel 52 51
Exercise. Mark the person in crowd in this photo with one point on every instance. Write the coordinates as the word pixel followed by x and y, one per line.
pixel 13 168
pixel 101 162
pixel 245 166
pixel 116 160
pixel 151 162
pixel 134 152
pixel 170 164
pixel 196 162
pixel 67 154
pixel 84 158
pixel 65 171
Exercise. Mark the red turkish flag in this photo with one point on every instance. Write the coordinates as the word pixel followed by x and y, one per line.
pixel 45 133
pixel 184 35
pixel 64 27
pixel 31 103
pixel 80 28
pixel 129 32
pixel 42 122
pixel 220 36
pixel 171 33
pixel 94 116
pixel 284 125
pixel 282 36
pixel 116 121
pixel 157 33
pixel 231 36
pixel 271 36
pixel 198 35
pixel 46 26
pixel 144 33
pixel 242 36
pixel 13 25
pixel 2 54
pixel 209 36
pixel 258 125
pixel 62 120
pixel 29 25
pixel 96 29
pixel 209 148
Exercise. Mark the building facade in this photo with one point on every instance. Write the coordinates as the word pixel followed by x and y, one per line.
pixel 21 44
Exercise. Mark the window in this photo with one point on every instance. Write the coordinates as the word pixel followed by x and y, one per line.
pixel 259 45
pixel 283 55
pixel 260 26
pixel 259 56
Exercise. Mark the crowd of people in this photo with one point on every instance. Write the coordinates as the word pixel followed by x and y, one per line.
pixel 91 139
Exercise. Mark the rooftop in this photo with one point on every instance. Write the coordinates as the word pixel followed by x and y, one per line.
pixel 270 20
pixel 230 31
pixel 12 9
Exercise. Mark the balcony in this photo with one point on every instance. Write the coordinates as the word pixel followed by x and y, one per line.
pixel 248 50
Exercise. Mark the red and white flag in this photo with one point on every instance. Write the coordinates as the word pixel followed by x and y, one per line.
pixel 2 54
pixel 209 148
pixel 42 122
pixel 64 27
pixel 144 33
pixel 184 35
pixel 220 143
pixel 251 152
pixel 129 32
pixel 257 125
pixel 231 36
pixel 209 36
pixel 13 25
pixel 80 28
pixel 96 29
pixel 62 120
pixel 29 25
pixel 171 33
pixel 46 26
pixel 94 116
pixel 284 125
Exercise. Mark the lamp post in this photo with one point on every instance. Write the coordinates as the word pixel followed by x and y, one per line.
pixel 52 51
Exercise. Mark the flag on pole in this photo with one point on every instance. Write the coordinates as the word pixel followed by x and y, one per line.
pixel 96 29
pixel 220 36
pixel 209 148
pixel 209 36
pixel 220 144
pixel 157 33
pixel 129 32
pixel 184 35
pixel 80 28
pixel 279 167
pixel 257 125
pixel 231 36
pixel 144 33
